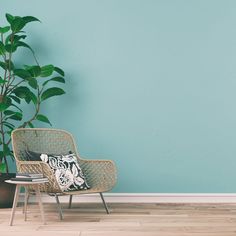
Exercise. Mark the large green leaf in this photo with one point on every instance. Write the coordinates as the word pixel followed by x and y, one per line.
pixel 7 65
pixel 22 44
pixel 16 116
pixel 35 71
pixel 30 125
pixel 17 37
pixel 10 65
pixel 16 99
pixel 33 98
pixel 2 167
pixel 24 74
pixel 2 48
pixel 1 155
pixel 57 79
pixel 2 81
pixel 9 18
pixel 43 118
pixel 9 112
pixel 17 24
pixel 7 100
pixel 10 47
pixel 5 103
pixel 8 38
pixel 8 125
pixel 47 70
pixel 16 107
pixel 33 83
pixel 22 92
pixel 52 92
pixel 6 149
pixel 28 19
pixel 5 29
pixel 3 106
pixel 28 99
pixel 3 65
pixel 59 71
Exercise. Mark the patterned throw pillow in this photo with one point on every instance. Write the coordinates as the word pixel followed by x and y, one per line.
pixel 67 171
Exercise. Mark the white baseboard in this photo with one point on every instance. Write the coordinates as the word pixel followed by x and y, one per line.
pixel 146 198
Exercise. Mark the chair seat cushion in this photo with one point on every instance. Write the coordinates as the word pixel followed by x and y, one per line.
pixel 67 171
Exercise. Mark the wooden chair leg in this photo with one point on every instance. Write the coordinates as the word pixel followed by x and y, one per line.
pixel 70 202
pixel 27 200
pixel 14 204
pixel 104 203
pixel 40 203
pixel 59 207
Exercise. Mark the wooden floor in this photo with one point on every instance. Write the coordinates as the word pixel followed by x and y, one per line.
pixel 125 219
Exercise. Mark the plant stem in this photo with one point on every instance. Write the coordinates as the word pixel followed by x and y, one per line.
pixel 9 64
pixel 15 86
pixel 3 141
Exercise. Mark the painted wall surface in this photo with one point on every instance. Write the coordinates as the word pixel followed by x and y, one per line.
pixel 151 84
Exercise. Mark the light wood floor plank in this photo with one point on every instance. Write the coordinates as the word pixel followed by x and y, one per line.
pixel 125 219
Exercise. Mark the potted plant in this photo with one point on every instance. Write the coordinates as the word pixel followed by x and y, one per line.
pixel 20 86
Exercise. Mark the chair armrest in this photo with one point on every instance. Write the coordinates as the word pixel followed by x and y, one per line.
pixel 101 175
pixel 43 168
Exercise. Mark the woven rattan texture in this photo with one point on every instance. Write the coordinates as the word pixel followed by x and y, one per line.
pixel 100 174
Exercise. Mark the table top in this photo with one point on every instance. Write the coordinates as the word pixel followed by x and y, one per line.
pixel 26 182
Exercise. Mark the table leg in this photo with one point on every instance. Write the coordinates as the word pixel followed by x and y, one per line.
pixel 40 203
pixel 14 204
pixel 26 202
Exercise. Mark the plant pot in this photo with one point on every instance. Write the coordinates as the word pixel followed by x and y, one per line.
pixel 7 191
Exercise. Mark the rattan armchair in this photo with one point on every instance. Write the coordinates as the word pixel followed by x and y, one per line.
pixel 100 174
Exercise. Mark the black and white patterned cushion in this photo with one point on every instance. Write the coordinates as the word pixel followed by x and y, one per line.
pixel 32 156
pixel 67 171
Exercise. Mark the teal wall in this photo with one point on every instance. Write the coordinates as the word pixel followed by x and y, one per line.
pixel 151 84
